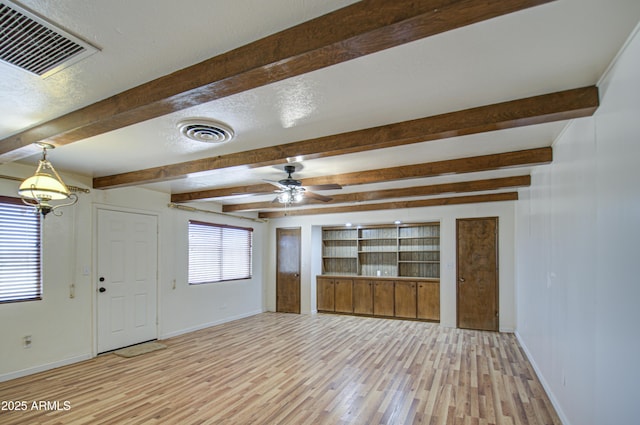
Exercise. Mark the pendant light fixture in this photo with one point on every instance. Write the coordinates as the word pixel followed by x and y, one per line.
pixel 46 186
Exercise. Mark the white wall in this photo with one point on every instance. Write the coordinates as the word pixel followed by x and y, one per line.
pixel 577 233
pixel 190 307
pixel 312 252
pixel 60 326
pixel 63 328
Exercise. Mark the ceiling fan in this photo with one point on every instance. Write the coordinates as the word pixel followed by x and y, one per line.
pixel 291 190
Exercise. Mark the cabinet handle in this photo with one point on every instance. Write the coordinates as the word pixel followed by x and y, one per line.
pixel 461 279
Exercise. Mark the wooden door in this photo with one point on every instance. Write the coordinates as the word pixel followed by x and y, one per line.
pixel 288 270
pixel 429 301
pixel 383 298
pixel 362 296
pixel 405 299
pixel 325 294
pixel 477 285
pixel 343 295
pixel 127 257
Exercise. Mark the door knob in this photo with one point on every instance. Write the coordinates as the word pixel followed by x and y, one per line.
pixel 102 289
pixel 461 279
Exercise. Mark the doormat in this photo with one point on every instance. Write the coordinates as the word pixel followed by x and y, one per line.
pixel 136 350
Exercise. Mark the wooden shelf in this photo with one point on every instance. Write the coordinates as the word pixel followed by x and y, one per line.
pixel 419 262
pixel 381 250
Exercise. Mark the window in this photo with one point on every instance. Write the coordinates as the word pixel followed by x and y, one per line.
pixel 20 278
pixel 218 252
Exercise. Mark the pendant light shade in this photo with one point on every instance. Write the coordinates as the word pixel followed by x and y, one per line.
pixel 45 186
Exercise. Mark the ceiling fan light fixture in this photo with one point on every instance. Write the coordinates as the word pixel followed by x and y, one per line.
pixel 298 195
pixel 291 190
pixel 284 197
pixel 291 194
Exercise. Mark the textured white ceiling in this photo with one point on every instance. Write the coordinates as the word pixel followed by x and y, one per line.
pixel 557 46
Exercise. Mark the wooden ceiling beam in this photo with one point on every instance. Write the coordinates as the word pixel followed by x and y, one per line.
pixel 406 192
pixel 536 156
pixel 224 192
pixel 456 200
pixel 516 113
pixel 354 31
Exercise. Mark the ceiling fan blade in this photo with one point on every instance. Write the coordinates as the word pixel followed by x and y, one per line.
pixel 327 186
pixel 247 195
pixel 316 196
pixel 275 183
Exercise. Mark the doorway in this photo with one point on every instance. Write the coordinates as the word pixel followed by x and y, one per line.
pixel 477 274
pixel 288 270
pixel 127 263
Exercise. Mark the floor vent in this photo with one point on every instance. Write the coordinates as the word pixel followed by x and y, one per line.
pixel 34 45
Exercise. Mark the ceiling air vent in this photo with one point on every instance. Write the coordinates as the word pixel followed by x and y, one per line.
pixel 206 131
pixel 34 45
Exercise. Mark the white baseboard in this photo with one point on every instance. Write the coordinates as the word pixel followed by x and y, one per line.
pixel 545 385
pixel 168 335
pixel 44 367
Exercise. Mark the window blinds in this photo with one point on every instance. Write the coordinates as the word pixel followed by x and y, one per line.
pixel 218 252
pixel 20 267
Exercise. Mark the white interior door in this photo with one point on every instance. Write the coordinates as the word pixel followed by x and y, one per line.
pixel 127 256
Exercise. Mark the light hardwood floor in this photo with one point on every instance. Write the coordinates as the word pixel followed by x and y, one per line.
pixel 298 369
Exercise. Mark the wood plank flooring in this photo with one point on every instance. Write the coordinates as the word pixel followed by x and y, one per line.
pixel 278 368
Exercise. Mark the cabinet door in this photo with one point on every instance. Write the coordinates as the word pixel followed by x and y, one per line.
pixel 326 294
pixel 343 295
pixel 362 296
pixel 429 300
pixel 383 298
pixel 405 299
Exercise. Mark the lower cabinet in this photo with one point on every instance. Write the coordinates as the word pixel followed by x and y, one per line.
pixel 406 299
pixel 428 301
pixel 343 295
pixel 335 295
pixel 363 296
pixel 383 304
pixel 325 294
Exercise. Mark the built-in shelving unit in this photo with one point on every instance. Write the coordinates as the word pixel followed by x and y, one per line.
pixel 340 251
pixel 405 250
